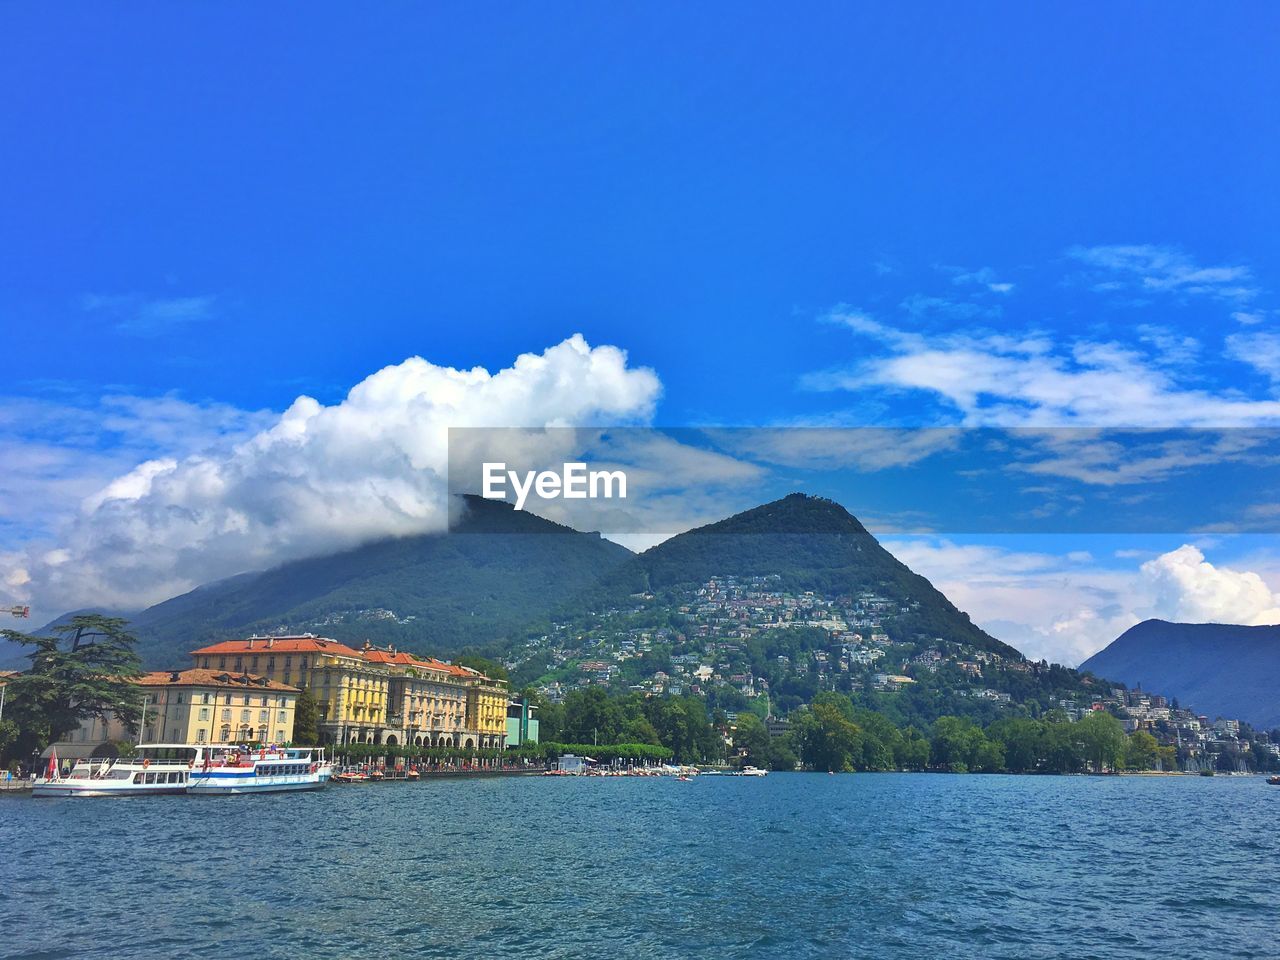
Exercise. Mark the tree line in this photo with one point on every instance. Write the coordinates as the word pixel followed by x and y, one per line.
pixel 834 734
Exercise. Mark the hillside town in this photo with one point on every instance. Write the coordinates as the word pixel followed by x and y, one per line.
pixel 751 644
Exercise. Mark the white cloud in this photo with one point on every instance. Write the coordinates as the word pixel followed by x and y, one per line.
pixel 983 277
pixel 1190 588
pixel 65 445
pixel 317 478
pixel 146 316
pixel 990 379
pixel 1260 350
pixel 1156 269
pixel 1065 608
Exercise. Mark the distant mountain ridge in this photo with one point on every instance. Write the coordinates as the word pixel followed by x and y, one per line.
pixel 501 573
pixel 497 571
pixel 1219 669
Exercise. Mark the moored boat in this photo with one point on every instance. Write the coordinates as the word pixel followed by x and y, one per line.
pixel 159 769
pixel 232 770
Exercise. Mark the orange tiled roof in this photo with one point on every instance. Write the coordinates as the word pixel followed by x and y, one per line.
pixel 278 645
pixel 427 663
pixel 209 678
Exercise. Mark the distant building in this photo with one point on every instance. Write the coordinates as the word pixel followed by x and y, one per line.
pixel 522 725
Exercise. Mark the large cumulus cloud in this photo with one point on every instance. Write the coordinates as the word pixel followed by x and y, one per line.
pixel 319 478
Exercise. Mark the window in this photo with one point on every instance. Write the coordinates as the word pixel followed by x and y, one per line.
pixel 208 698
pixel 225 733
pixel 200 735
pixel 244 716
pixel 204 713
pixel 226 714
pixel 179 700
pixel 262 716
pixel 271 664
pixel 253 664
pixel 222 663
pixel 239 664
pixel 281 717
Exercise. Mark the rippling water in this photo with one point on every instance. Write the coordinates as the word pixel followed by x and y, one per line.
pixel 797 865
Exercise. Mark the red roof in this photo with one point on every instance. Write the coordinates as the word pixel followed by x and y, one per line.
pixel 209 678
pixel 279 645
pixel 429 663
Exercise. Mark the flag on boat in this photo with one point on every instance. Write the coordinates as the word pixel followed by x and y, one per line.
pixel 52 772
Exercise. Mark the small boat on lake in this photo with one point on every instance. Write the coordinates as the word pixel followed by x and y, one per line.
pixel 1274 780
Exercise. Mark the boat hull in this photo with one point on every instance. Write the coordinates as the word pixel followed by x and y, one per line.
pixel 64 789
pixel 232 785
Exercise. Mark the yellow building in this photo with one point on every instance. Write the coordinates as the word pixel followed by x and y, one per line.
pixel 428 705
pixel 194 706
pixel 375 696
pixel 351 691
pixel 202 706
pixel 487 708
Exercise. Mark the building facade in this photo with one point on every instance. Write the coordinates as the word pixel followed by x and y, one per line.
pixel 193 706
pixel 374 695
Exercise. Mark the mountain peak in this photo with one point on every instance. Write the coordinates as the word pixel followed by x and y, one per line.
pixel 794 513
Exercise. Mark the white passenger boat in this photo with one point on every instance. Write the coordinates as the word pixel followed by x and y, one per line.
pixel 223 770
pixel 157 769
pixel 189 768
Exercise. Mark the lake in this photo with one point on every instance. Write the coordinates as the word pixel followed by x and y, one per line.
pixel 791 865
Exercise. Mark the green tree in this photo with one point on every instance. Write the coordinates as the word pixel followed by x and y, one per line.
pixel 751 740
pixel 1062 752
pixel 79 672
pixel 591 716
pixel 826 735
pixel 1141 751
pixel 782 755
pixel 1101 737
pixel 955 744
pixel 306 718
pixel 1023 742
pixel 639 730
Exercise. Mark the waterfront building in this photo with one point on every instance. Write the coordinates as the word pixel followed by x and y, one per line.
pixel 192 706
pixel 351 692
pixel 426 699
pixel 522 725
pixel 375 695
pixel 203 706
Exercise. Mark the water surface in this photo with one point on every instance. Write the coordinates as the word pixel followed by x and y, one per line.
pixel 793 865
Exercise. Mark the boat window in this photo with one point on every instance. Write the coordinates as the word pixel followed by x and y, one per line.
pixel 151 778
pixel 137 778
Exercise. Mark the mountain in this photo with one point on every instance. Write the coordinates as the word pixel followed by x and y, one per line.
pixel 810 543
pixel 1219 669
pixel 500 574
pixel 498 571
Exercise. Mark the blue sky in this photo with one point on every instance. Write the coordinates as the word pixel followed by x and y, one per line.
pixel 988 215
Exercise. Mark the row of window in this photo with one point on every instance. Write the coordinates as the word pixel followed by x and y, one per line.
pixel 176 776
pixel 285 770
